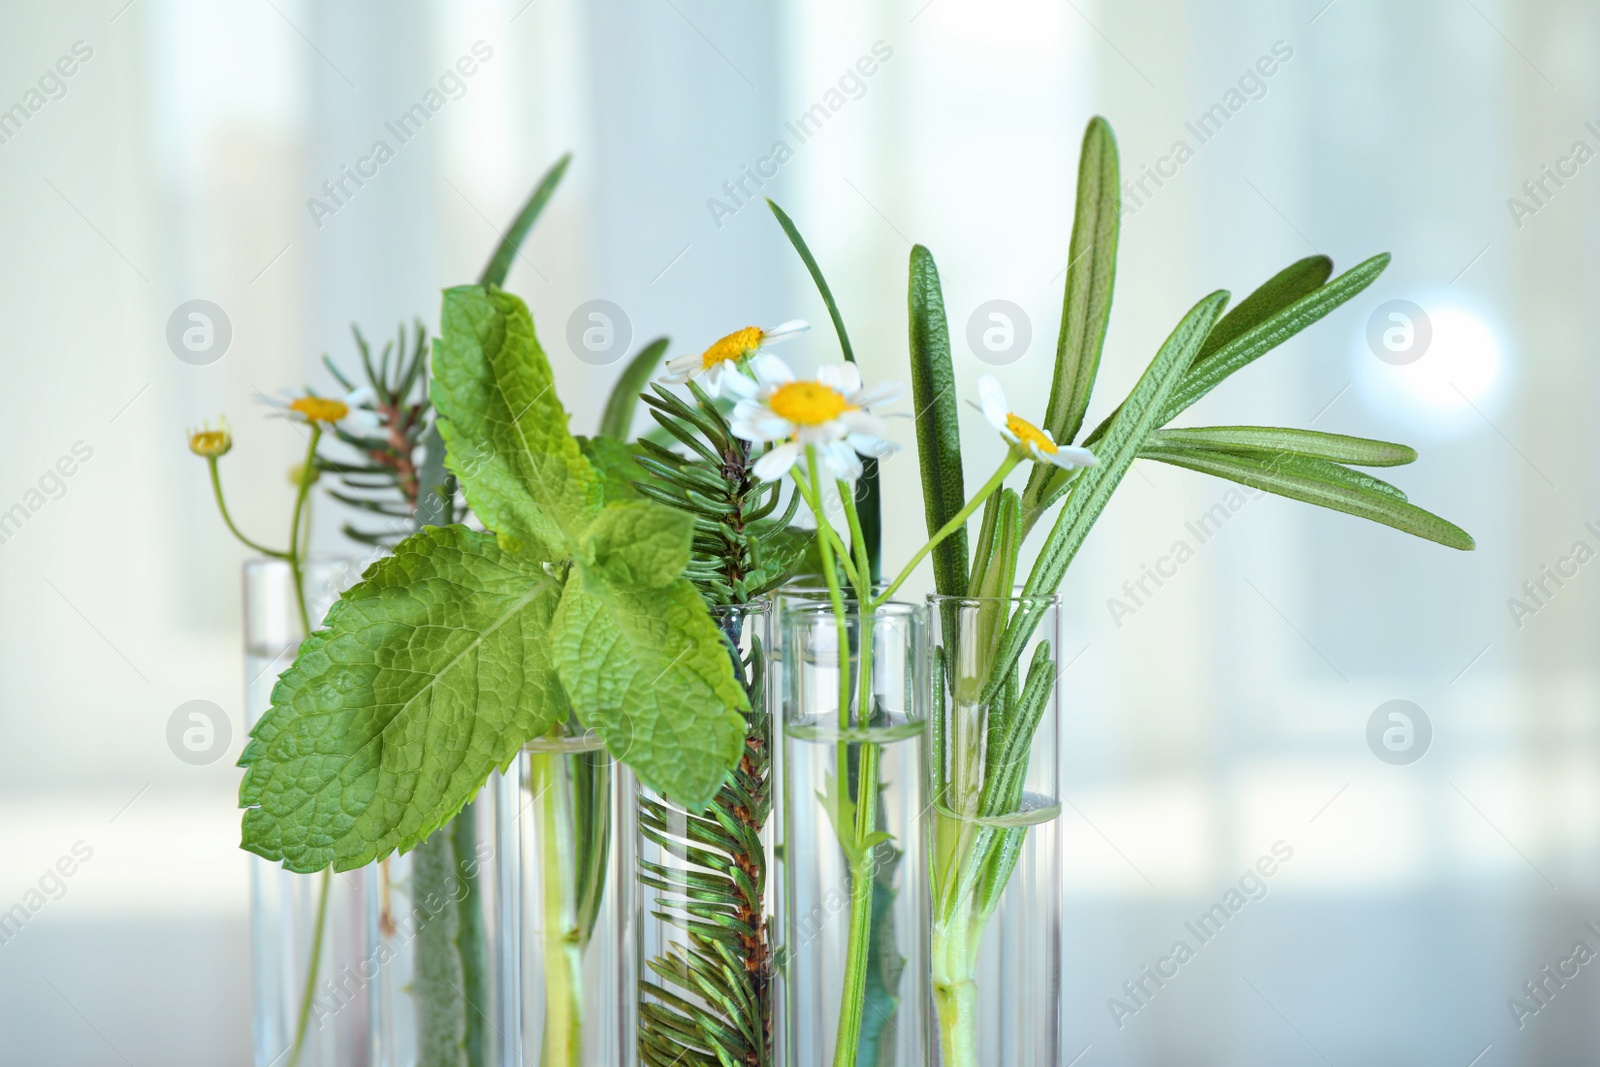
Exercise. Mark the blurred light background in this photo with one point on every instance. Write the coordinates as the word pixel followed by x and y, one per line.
pixel 1227 713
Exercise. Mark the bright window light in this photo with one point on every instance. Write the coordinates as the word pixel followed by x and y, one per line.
pixel 1432 364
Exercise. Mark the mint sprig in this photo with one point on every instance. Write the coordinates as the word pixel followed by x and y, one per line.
pixel 451 655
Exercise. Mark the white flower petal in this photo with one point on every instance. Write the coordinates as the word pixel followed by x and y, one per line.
pixel 868 445
pixel 784 331
pixel 775 464
pixel 831 375
pixel 715 376
pixel 1070 456
pixel 682 363
pixel 993 398
pixel 849 378
pixel 770 371
pixel 882 393
pixel 864 422
pixel 822 433
pixel 736 384
pixel 757 422
pixel 840 460
pixel 359 396
pixel 366 420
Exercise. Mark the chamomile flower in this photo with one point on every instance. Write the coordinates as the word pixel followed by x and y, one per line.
pixel 1025 438
pixel 729 354
pixel 830 412
pixel 209 443
pixel 353 409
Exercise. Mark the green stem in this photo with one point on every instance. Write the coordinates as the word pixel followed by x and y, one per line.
pixel 954 946
pixel 298 540
pixel 853 994
pixel 469 934
pixel 830 542
pixel 956 522
pixel 311 971
pixel 222 506
pixel 297 575
pixel 563 935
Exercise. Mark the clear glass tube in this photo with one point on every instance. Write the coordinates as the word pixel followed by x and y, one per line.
pixel 854 905
pixel 298 931
pixel 371 1004
pixel 566 973
pixel 717 867
pixel 994 848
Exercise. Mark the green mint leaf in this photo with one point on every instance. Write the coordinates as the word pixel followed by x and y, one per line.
pixel 650 671
pixel 430 673
pixel 641 545
pixel 613 461
pixel 505 428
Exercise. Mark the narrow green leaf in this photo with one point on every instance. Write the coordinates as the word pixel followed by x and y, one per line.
pixel 1271 332
pixel 1139 415
pixel 933 392
pixel 983 552
pixel 869 507
pixel 1271 315
pixel 810 261
pixel 1297 280
pixel 1325 484
pixel 1086 302
pixel 624 399
pixel 1335 447
pixel 505 430
pixel 499 265
pixel 1310 466
pixel 429 674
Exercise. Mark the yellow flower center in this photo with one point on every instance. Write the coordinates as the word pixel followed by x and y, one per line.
pixel 318 409
pixel 1029 434
pixel 210 442
pixel 808 403
pixel 735 346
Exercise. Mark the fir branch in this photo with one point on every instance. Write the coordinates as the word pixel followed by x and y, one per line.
pixel 384 478
pixel 708 1001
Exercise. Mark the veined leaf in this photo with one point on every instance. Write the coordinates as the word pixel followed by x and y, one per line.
pixel 504 427
pixel 1297 280
pixel 869 507
pixel 1267 318
pixel 1311 466
pixel 499 265
pixel 648 670
pixel 933 391
pixel 624 399
pixel 615 465
pixel 983 552
pixel 1086 303
pixel 430 673
pixel 642 545
pixel 1139 415
pixel 1316 481
pixel 1271 332
pixel 1335 447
